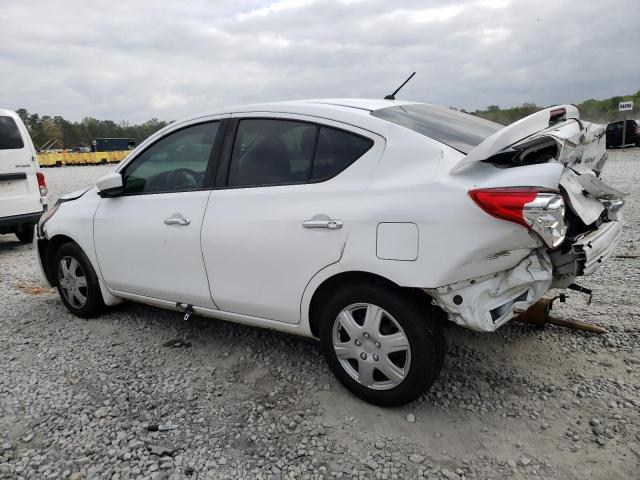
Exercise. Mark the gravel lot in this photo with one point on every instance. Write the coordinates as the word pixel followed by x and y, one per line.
pixel 76 396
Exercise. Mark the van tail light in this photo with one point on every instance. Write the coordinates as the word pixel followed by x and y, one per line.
pixel 533 208
pixel 42 184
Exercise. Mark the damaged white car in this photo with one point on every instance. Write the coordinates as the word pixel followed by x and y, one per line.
pixel 363 223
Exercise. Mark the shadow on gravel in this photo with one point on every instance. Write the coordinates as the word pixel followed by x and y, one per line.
pixel 7 245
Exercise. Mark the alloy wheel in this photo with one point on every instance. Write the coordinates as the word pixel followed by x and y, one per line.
pixel 72 281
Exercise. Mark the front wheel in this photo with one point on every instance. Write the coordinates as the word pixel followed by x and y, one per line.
pixel 77 282
pixel 382 346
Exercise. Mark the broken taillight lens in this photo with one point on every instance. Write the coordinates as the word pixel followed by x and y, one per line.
pixel 42 184
pixel 533 208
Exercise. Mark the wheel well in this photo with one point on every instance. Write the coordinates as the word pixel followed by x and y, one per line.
pixel 50 250
pixel 331 284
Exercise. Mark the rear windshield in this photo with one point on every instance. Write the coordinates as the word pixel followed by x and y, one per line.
pixel 455 129
pixel 10 137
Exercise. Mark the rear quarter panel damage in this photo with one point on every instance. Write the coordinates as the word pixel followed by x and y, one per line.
pixel 487 302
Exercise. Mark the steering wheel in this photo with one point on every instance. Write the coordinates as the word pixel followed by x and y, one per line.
pixel 182 178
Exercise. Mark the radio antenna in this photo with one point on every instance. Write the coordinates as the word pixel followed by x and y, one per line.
pixel 393 95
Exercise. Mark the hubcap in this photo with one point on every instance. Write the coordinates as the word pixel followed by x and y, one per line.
pixel 371 346
pixel 72 281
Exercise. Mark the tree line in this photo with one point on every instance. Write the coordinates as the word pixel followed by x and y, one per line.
pixel 79 134
pixel 599 111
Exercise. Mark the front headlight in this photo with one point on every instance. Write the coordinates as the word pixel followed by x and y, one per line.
pixel 63 199
pixel 46 216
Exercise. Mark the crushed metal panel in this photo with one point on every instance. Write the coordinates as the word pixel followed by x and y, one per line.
pixel 589 196
pixel 485 303
pixel 587 208
pixel 597 188
pixel 598 245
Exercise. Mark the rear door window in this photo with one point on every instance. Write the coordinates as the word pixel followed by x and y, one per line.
pixel 280 152
pixel 337 150
pixel 10 138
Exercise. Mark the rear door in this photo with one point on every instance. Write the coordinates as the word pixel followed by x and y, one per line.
pixel 288 192
pixel 19 191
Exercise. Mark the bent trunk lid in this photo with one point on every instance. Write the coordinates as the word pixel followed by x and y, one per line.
pixel 578 142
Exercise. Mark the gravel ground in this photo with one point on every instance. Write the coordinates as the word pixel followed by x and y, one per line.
pixel 77 396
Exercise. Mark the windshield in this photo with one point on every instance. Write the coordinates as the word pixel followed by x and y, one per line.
pixel 455 129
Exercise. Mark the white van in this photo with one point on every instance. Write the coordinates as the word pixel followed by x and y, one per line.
pixel 23 191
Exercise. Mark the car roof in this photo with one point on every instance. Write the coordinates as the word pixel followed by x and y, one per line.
pixel 8 113
pixel 355 111
pixel 337 108
pixel 622 121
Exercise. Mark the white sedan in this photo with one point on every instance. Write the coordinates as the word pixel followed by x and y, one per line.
pixel 363 223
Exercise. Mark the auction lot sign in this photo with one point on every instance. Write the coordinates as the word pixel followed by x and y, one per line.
pixel 625 106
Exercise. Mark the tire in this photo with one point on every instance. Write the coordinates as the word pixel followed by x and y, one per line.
pixel 78 284
pixel 366 364
pixel 25 234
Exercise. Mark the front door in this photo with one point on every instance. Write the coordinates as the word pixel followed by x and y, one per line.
pixel 287 194
pixel 148 239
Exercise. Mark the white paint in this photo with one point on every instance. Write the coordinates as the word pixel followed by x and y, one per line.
pixel 246 257
pixel 19 196
pixel 397 241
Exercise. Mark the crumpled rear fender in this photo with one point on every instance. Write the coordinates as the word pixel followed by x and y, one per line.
pixel 485 303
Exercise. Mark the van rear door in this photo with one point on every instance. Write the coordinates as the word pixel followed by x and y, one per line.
pixel 19 191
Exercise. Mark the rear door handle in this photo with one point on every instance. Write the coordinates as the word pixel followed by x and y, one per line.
pixel 330 224
pixel 177 219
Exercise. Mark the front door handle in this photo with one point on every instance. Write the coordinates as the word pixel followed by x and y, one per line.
pixel 177 219
pixel 323 223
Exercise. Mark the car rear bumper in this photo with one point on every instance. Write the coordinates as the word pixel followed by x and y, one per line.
pixel 485 303
pixel 15 220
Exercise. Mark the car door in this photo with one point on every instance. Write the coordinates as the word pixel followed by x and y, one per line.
pixel 287 193
pixel 147 240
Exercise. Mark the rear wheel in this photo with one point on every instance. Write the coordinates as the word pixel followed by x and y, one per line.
pixel 77 282
pixel 382 346
pixel 25 234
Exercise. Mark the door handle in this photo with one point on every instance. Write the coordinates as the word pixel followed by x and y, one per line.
pixel 177 219
pixel 330 224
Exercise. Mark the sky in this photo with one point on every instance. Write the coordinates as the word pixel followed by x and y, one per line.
pixel 138 59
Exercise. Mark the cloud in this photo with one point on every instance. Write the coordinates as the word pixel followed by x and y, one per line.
pixel 142 59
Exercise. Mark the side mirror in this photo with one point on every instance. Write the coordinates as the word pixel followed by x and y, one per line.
pixel 110 185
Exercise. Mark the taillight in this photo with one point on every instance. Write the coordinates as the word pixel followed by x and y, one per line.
pixel 533 208
pixel 42 184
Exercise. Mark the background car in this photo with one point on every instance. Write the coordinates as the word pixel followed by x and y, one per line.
pixel 363 223
pixel 614 133
pixel 23 190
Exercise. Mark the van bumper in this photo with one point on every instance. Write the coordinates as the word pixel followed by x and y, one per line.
pixel 6 223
